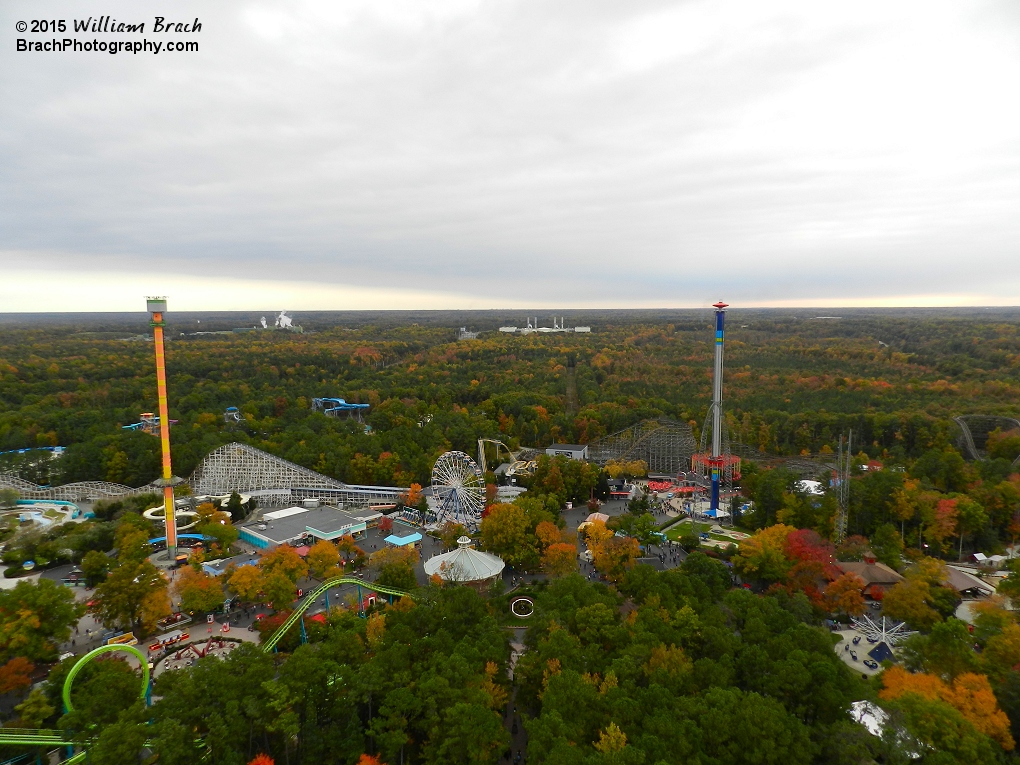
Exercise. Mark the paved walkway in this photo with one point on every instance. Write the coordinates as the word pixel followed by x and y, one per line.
pixel 846 645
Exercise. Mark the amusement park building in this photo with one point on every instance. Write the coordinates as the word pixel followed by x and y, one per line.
pixel 297 524
pixel 571 451
pixel 465 565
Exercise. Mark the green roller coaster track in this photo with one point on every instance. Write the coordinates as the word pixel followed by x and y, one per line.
pixel 44 737
pixel 325 587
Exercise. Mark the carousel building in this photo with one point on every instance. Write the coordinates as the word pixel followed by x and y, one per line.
pixel 465 565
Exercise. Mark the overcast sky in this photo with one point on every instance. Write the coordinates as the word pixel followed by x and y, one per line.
pixel 386 154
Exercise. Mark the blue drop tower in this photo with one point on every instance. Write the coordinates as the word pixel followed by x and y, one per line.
pixel 716 461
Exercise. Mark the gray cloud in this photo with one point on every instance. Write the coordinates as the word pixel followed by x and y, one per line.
pixel 531 152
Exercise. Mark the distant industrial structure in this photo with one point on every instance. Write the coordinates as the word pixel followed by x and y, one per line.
pixel 559 325
pixel 464 334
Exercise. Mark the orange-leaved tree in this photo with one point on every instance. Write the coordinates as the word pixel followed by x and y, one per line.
pixel 285 560
pixel 970 694
pixel 548 533
pixel 15 674
pixel 763 556
pixel 560 559
pixel 843 595
pixel 616 556
pixel 198 590
pixel 323 558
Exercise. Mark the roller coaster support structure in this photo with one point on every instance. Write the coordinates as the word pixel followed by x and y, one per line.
pixel 312 597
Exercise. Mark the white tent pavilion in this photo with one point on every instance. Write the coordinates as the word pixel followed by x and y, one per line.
pixel 465 564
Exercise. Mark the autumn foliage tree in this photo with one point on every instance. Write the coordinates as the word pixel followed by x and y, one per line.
pixel 285 560
pixel 970 694
pixel 396 567
pixel 198 590
pixel 763 556
pixel 616 556
pixel 35 618
pixel 323 559
pixel 505 532
pixel 15 674
pixel 548 533
pixel 843 595
pixel 246 583
pixel 560 559
pixel 919 597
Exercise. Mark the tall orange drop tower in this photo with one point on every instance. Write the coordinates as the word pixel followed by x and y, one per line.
pixel 157 308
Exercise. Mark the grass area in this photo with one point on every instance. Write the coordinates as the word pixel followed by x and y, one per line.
pixel 683 527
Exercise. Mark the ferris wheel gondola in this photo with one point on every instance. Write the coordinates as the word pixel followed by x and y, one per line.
pixel 458 488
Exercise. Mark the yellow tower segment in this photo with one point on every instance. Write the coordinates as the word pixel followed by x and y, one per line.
pixel 157 308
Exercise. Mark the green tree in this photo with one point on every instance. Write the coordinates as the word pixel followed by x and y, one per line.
pixel 35 710
pixel 35 619
pixel 95 565
pixel 505 532
pixel 935 724
pixel 947 651
pixel 887 545
pixel 471 734
pixel 222 531
pixel 134 596
pixel 234 507
pixel 945 470
pixel 102 691
pixel 278 589
pixel 970 518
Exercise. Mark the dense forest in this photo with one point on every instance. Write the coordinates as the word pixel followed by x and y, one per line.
pixel 649 667
pixel 792 386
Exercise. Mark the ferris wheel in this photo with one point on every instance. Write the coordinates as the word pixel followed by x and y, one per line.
pixel 459 489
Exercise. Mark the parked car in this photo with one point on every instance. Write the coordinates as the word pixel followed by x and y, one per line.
pixel 871 664
pixel 857 640
pixel 853 655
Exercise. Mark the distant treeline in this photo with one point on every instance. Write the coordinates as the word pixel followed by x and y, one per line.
pixel 793 385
